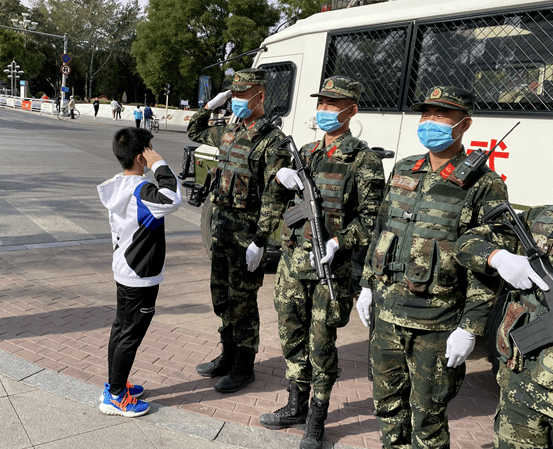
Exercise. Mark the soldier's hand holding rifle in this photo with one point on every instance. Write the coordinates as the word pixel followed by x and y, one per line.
pixel 289 178
pixel 331 247
pixel 516 270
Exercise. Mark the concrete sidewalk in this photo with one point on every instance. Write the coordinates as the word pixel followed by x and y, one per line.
pixel 57 303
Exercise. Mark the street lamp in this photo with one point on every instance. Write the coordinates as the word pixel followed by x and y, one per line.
pixel 14 72
pixel 24 24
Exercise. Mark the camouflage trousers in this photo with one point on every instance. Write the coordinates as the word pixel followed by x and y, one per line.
pixel 234 294
pixel 412 386
pixel 519 425
pixel 308 343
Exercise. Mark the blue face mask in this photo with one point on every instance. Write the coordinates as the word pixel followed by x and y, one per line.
pixel 328 120
pixel 436 136
pixel 240 107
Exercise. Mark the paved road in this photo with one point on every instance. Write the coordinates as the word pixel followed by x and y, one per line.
pixel 48 176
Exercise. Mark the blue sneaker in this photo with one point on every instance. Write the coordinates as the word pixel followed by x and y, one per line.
pixel 135 391
pixel 123 405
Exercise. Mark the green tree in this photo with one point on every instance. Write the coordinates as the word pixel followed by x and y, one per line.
pixel 305 8
pixel 98 31
pixel 179 37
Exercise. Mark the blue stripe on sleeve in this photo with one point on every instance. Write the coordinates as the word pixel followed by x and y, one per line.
pixel 143 214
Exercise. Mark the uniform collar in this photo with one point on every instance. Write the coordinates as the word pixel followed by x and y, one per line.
pixel 334 150
pixel 423 165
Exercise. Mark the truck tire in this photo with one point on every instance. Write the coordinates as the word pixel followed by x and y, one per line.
pixel 205 220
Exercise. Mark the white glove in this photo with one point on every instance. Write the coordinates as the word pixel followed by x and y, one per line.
pixel 289 178
pixel 516 270
pixel 363 305
pixel 219 100
pixel 254 254
pixel 459 345
pixel 331 248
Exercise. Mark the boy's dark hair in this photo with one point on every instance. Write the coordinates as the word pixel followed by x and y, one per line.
pixel 129 143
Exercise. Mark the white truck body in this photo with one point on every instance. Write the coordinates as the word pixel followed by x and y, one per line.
pixel 491 46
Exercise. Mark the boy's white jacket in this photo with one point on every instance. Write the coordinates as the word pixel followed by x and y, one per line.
pixel 136 210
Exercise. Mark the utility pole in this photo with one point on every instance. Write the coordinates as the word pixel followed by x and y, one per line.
pixel 65 38
pixel 167 92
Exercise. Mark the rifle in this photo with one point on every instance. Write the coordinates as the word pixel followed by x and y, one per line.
pixel 470 167
pixel 538 333
pixel 309 209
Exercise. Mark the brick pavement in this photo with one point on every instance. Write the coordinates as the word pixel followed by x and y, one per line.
pixel 57 305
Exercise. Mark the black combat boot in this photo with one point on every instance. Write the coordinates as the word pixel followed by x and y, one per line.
pixel 295 412
pixel 222 364
pixel 313 436
pixel 240 375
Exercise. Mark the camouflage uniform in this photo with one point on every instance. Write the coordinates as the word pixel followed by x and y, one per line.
pixel 350 178
pixel 524 416
pixel 248 161
pixel 420 292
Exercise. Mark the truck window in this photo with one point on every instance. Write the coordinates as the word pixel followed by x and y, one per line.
pixel 280 85
pixel 377 57
pixel 506 59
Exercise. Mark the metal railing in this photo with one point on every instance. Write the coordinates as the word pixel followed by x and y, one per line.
pixel 32 104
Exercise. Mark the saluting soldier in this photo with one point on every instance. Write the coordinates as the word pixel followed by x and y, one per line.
pixel 428 311
pixel 350 180
pixel 524 417
pixel 248 160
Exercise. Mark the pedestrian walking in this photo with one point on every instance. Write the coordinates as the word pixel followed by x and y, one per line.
pixel 137 208
pixel 148 117
pixel 72 107
pixel 137 116
pixel 96 106
pixel 114 106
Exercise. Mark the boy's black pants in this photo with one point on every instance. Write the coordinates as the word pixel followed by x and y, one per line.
pixel 135 310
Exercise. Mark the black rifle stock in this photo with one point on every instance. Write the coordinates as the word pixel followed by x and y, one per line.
pixel 536 334
pixel 309 209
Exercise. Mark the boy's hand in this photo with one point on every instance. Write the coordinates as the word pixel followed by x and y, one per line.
pixel 151 157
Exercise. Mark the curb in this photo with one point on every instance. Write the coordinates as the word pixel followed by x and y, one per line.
pixel 190 423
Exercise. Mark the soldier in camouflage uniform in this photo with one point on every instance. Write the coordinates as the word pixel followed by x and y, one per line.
pixel 247 162
pixel 524 416
pixel 428 310
pixel 350 179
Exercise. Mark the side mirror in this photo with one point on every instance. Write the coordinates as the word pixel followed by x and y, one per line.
pixel 205 89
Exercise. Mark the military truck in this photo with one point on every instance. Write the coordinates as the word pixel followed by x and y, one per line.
pixel 501 49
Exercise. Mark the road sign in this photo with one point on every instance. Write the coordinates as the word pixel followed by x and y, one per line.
pixel 64 89
pixel 65 69
pixel 65 58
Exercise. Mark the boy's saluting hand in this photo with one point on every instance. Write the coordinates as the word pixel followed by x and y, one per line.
pixel 151 157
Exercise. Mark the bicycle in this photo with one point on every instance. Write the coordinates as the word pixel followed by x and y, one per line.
pixel 154 124
pixel 64 113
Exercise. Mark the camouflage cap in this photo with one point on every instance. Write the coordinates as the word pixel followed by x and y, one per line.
pixel 341 87
pixel 450 97
pixel 248 78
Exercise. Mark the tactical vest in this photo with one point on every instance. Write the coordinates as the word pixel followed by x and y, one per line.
pixel 419 232
pixel 238 185
pixel 522 307
pixel 333 180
